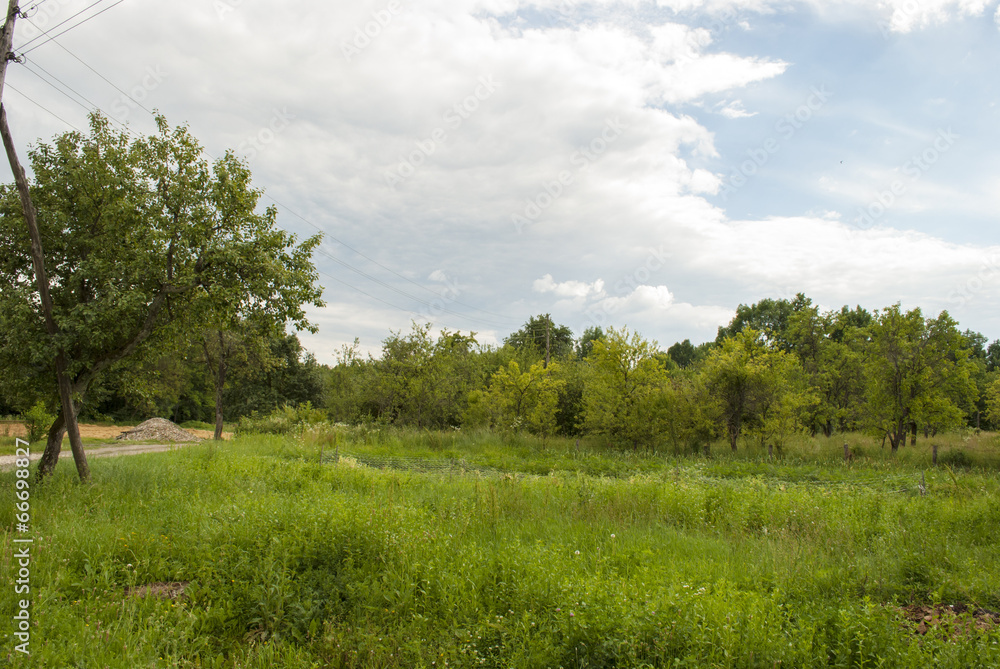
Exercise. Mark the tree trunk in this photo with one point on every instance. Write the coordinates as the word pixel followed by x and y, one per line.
pixel 53 446
pixel 913 433
pixel 220 382
pixel 42 281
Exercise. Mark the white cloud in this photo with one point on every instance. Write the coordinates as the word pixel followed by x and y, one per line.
pixel 734 110
pixel 907 15
pixel 569 289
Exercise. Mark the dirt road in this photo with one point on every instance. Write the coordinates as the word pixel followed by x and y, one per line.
pixel 88 431
pixel 7 461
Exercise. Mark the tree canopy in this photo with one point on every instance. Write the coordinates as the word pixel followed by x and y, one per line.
pixel 146 244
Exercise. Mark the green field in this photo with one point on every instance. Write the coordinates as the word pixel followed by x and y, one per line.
pixel 472 551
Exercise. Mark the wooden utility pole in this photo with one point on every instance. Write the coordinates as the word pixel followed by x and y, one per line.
pixel 38 258
pixel 548 324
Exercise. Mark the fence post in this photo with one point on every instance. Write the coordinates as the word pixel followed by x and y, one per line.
pixel 934 454
pixel 847 452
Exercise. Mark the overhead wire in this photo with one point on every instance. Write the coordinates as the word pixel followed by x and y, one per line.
pixel 440 308
pixel 51 37
pixel 39 105
pixel 89 67
pixel 451 300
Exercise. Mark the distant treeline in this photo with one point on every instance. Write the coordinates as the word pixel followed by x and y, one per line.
pixel 780 367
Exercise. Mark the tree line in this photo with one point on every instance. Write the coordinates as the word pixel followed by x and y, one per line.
pixel 780 367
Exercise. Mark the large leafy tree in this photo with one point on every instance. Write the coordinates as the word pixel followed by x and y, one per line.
pixel 518 400
pixel 769 318
pixel 143 239
pixel 627 391
pixel 830 347
pixel 541 331
pixel 754 385
pixel 423 383
pixel 918 373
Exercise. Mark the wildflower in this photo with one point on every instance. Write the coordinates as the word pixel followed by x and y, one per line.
pixel 577 552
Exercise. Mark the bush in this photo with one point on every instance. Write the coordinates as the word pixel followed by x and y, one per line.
pixel 281 421
pixel 37 421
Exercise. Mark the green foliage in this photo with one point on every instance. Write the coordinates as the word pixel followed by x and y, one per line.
pixel 757 389
pixel 918 372
pixel 769 318
pixel 586 343
pixel 627 395
pixel 283 420
pixel 532 337
pixel 519 400
pixel 146 244
pixel 37 421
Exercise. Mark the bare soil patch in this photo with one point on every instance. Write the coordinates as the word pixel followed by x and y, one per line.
pixel 164 590
pixel 954 619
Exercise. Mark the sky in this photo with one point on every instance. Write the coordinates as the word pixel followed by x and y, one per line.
pixel 649 164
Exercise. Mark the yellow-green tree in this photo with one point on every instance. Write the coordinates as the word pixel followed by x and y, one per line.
pixel 756 387
pixel 918 373
pixel 627 395
pixel 519 400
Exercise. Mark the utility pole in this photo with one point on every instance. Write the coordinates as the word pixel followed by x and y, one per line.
pixel 548 324
pixel 38 261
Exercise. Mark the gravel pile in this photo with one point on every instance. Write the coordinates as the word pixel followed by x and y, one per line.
pixel 158 430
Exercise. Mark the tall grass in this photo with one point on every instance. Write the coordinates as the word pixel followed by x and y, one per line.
pixel 564 557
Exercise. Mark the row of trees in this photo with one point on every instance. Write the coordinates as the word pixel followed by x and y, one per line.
pixel 780 367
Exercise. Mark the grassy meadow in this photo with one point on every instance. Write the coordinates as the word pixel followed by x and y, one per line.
pixel 471 550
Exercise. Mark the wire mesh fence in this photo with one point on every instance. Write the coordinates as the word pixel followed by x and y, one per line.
pixel 890 485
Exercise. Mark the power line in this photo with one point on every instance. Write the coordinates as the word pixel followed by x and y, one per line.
pixel 40 106
pixel 52 37
pixel 297 215
pixel 373 261
pixel 86 65
pixel 321 251
pixel 74 100
pixel 424 303
pixel 61 83
pixel 38 37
